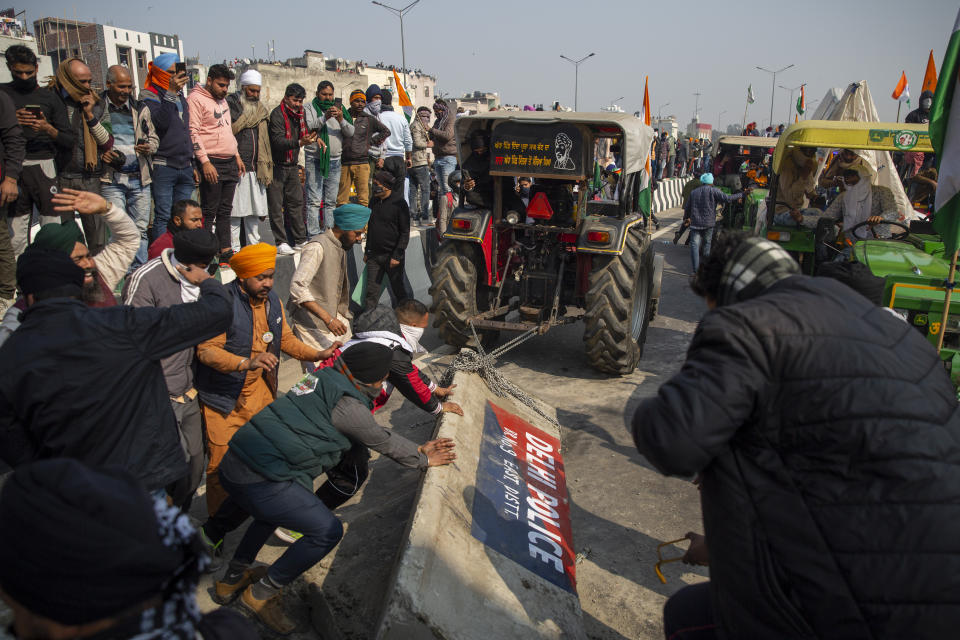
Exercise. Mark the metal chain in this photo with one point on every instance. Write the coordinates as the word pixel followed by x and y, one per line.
pixel 483 364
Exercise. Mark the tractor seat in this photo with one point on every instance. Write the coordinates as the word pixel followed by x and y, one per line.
pixel 603 208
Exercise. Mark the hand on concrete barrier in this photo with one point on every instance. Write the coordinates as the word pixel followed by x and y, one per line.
pixel 444 392
pixel 697 553
pixel 439 452
pixel 451 407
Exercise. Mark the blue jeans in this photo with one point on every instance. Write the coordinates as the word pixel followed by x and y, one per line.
pixel 169 185
pixel 698 237
pixel 420 192
pixel 288 505
pixel 443 167
pixel 126 193
pixel 323 191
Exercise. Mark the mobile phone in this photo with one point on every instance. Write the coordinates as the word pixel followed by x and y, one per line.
pixel 142 141
pixel 338 102
pixel 35 110
pixel 180 67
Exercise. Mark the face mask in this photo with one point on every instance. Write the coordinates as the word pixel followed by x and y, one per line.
pixel 29 84
pixel 374 106
pixel 524 192
pixel 412 335
pixel 378 190
pixel 371 392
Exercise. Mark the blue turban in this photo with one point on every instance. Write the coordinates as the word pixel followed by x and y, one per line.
pixel 706 178
pixel 166 60
pixel 351 217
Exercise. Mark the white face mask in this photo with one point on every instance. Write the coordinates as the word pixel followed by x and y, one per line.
pixel 412 335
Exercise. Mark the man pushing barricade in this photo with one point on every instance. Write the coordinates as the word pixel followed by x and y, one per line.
pixel 323 425
pixel 826 435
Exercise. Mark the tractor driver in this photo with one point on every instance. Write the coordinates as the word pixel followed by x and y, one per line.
pixel 478 183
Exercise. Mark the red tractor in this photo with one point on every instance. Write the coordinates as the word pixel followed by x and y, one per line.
pixel 574 248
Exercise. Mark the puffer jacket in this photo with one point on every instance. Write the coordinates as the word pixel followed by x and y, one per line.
pixel 827 435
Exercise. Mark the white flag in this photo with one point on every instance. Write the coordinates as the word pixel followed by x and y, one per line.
pixel 750 98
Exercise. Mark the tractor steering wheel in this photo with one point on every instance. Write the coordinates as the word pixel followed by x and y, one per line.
pixel 897 236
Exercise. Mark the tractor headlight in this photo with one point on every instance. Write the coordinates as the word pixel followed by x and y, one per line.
pixel 513 217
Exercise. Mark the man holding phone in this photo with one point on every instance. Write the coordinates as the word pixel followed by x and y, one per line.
pixel 126 179
pixel 326 116
pixel 43 119
pixel 174 177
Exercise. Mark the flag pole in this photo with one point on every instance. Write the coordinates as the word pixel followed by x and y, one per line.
pixel 946 302
pixel 745 107
pixel 899 104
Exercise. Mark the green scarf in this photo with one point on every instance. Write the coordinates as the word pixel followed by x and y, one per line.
pixel 323 163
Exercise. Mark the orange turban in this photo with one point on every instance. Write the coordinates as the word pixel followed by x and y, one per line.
pixel 253 260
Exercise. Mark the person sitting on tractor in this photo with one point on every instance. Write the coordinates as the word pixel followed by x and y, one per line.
pixel 861 202
pixel 832 176
pixel 797 186
pixel 477 181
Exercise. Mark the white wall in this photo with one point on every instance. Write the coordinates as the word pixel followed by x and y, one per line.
pixel 414 85
pixel 135 41
pixel 44 63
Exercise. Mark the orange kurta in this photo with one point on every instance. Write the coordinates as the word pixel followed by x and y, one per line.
pixel 255 395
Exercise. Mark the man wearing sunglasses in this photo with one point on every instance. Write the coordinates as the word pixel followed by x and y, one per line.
pixel 161 282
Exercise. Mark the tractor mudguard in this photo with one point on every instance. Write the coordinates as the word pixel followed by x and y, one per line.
pixel 592 239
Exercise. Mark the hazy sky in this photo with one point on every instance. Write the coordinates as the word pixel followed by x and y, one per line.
pixel 513 47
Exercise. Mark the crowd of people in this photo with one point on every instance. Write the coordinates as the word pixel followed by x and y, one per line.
pixel 132 376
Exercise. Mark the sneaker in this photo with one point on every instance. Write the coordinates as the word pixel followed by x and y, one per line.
pixel 284 249
pixel 287 535
pixel 226 592
pixel 214 550
pixel 269 611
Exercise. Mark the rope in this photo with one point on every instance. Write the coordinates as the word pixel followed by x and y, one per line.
pixel 483 364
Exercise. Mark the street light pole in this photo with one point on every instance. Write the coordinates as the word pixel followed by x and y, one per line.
pixel 613 102
pixel 718 119
pixel 403 48
pixel 773 86
pixel 790 106
pixel 696 108
pixel 576 76
pixel 660 110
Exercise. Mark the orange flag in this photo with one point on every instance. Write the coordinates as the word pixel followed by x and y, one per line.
pixel 930 77
pixel 646 101
pixel 901 88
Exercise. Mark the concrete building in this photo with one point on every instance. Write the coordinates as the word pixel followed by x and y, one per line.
pixel 668 123
pixel 478 102
pixel 13 32
pixel 313 67
pixel 102 46
pixel 697 129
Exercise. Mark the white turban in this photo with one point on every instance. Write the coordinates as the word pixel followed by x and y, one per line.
pixel 251 76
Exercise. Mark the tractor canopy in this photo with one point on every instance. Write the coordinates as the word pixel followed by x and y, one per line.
pixel 551 144
pixel 874 136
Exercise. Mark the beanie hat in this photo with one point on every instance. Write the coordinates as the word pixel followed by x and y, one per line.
pixel 368 361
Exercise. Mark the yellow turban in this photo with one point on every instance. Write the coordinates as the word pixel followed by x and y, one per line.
pixel 253 260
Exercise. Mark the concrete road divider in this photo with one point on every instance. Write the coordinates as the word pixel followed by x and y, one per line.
pixel 667 195
pixel 489 549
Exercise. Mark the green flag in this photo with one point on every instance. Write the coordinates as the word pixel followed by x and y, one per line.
pixel 945 136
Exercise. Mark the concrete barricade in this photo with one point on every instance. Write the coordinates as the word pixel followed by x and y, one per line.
pixel 489 549
pixel 667 195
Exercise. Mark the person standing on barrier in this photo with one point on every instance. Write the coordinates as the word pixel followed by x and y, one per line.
pixel 420 167
pixel 826 435
pixel 320 289
pixel 322 165
pixel 445 151
pixel 387 240
pixel 250 123
pixel 323 425
pixel 237 372
pixel 355 169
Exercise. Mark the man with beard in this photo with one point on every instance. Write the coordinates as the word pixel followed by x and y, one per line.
pixel 237 372
pixel 320 289
pixel 186 214
pixel 251 123
pixel 81 166
pixel 47 131
pixel 322 165
pixel 215 149
pixel 288 134
pixel 103 272
pixel 88 383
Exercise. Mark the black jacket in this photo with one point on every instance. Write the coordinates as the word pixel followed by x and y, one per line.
pixel 40 146
pixel 367 132
pixel 279 143
pixel 389 227
pixel 12 142
pixel 171 117
pixel 918 115
pixel 86 383
pixel 828 438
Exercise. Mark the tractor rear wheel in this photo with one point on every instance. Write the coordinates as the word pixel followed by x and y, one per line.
pixel 458 296
pixel 618 312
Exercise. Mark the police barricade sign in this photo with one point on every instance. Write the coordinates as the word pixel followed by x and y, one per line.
pixel 521 507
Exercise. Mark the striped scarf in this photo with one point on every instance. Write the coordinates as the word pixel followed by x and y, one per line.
pixel 287 116
pixel 754 266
